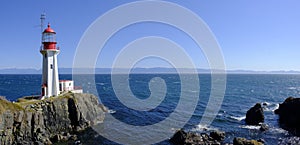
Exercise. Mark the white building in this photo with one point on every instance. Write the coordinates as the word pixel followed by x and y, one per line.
pixel 51 86
pixel 49 51
pixel 68 86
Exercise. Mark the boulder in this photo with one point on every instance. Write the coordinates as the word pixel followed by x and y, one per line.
pixel 244 141
pixel 217 135
pixel 178 138
pixel 255 115
pixel 289 115
pixel 181 138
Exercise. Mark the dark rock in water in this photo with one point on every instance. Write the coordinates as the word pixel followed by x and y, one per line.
pixel 289 115
pixel 182 138
pixel 217 135
pixel 178 138
pixel 263 127
pixel 255 115
pixel 244 141
pixel 48 119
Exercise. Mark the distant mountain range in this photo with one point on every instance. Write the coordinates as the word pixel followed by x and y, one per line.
pixel 136 70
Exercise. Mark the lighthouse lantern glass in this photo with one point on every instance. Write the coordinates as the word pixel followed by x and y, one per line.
pixel 49 37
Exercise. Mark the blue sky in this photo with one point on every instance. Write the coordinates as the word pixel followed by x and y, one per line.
pixel 253 35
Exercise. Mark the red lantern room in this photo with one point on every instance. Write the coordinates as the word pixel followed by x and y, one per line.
pixel 49 38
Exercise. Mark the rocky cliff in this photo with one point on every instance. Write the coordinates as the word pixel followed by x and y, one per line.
pixel 48 121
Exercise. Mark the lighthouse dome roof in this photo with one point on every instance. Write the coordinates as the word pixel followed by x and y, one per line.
pixel 49 29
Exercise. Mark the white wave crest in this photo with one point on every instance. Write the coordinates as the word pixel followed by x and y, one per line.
pixel 253 127
pixel 238 118
pixel 293 88
pixel 278 130
pixel 111 111
pixel 271 107
pixel 266 103
pixel 201 128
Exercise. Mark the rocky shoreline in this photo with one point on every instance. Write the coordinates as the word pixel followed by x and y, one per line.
pixel 213 138
pixel 48 121
pixel 62 119
pixel 289 119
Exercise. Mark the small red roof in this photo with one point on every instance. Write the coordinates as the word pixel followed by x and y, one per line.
pixel 49 30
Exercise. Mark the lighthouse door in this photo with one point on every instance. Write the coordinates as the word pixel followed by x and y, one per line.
pixel 43 91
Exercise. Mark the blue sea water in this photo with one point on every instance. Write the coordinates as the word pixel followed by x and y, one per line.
pixel 242 92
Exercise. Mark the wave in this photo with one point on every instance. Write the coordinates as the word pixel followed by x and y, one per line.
pixel 271 129
pixel 252 127
pixel 228 117
pixel 201 128
pixel 238 118
pixel 266 103
pixel 293 88
pixel 111 111
pixel 270 107
pixel 278 130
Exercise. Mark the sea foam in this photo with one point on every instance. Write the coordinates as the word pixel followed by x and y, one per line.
pixel 253 127
pixel 238 118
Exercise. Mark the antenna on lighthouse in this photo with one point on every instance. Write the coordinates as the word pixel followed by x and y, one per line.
pixel 43 17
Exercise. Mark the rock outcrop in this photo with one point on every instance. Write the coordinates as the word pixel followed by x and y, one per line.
pixel 244 141
pixel 182 138
pixel 217 135
pixel 50 120
pixel 255 115
pixel 289 115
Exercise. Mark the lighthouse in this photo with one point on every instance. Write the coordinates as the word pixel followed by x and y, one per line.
pixel 49 51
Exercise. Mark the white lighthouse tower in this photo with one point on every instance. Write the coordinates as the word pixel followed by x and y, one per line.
pixel 49 51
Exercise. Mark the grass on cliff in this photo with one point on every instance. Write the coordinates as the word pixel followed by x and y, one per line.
pixel 23 102
pixel 6 105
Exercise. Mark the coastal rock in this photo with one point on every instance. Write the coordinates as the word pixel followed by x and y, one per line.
pixel 182 138
pixel 255 115
pixel 217 135
pixel 20 123
pixel 289 115
pixel 179 137
pixel 244 141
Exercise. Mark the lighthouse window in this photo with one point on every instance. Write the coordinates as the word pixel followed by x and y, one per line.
pixel 49 37
pixel 51 66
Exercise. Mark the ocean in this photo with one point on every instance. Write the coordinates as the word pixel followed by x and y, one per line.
pixel 242 92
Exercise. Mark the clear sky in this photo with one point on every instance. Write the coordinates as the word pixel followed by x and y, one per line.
pixel 253 34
